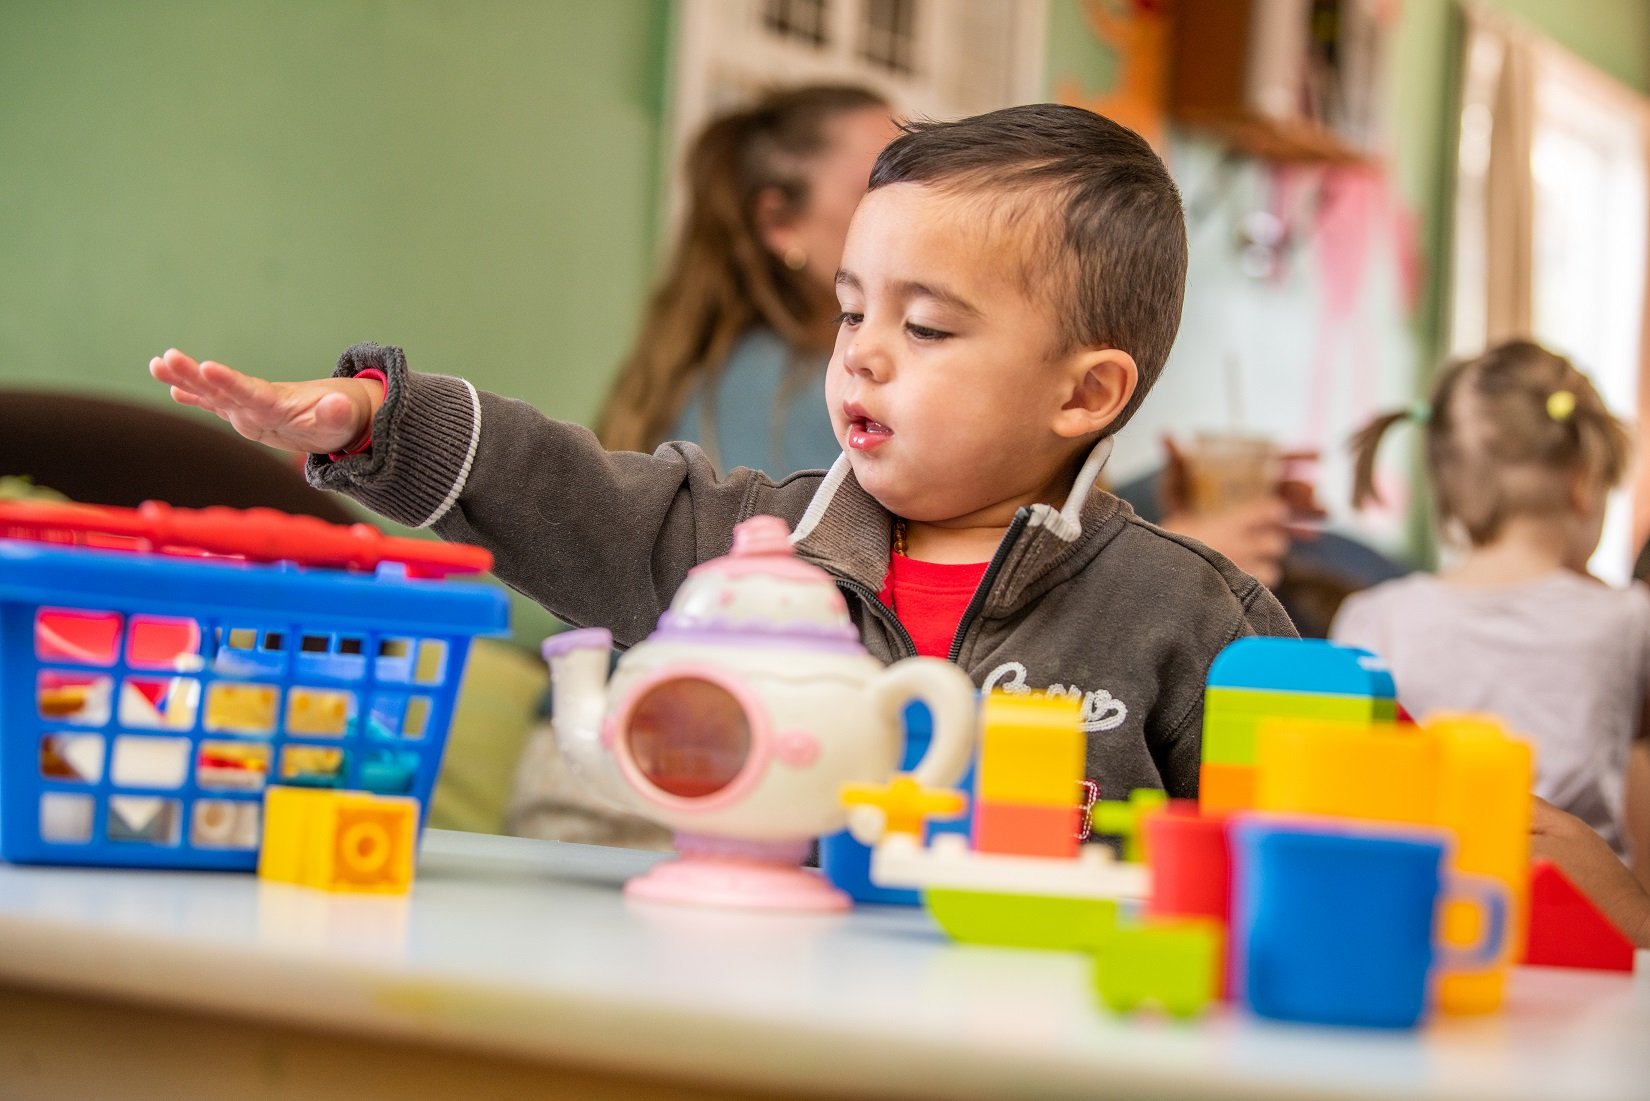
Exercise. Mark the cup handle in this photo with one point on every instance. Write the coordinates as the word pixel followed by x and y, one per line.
pixel 1490 895
pixel 951 699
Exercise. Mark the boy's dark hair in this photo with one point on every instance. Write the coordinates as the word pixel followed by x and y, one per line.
pixel 1119 276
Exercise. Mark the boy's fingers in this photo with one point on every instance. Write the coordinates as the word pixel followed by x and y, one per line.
pixel 177 359
pixel 187 397
pixel 231 388
pixel 173 372
pixel 180 369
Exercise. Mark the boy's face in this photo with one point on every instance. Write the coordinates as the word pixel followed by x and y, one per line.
pixel 943 388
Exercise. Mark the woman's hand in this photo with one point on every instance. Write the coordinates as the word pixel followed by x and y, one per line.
pixel 320 416
pixel 1253 534
pixel 1587 860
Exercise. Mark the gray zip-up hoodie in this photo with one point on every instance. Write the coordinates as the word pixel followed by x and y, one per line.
pixel 1087 600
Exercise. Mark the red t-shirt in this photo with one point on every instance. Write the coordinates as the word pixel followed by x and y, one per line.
pixel 930 598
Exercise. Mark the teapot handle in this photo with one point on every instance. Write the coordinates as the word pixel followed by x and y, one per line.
pixel 950 697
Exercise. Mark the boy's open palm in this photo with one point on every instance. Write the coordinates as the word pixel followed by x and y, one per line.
pixel 319 416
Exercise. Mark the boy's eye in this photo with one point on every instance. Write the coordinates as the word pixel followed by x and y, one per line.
pixel 923 332
pixel 848 319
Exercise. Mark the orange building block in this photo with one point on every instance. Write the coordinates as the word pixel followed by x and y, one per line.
pixel 1223 789
pixel 1019 830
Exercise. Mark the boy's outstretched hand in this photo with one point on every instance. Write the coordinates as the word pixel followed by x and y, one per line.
pixel 320 416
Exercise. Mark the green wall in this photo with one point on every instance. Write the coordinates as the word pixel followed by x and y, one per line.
pixel 267 181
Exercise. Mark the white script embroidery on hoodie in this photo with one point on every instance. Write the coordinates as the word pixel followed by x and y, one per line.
pixel 1101 710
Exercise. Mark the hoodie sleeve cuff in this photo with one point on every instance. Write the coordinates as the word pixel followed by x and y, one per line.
pixel 424 440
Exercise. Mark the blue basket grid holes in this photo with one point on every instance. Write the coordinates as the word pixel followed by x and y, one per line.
pixel 143 738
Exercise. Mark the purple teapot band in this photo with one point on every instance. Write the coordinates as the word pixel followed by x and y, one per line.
pixel 587 638
pixel 843 640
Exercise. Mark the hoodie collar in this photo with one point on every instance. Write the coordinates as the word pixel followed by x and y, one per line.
pixel 847 531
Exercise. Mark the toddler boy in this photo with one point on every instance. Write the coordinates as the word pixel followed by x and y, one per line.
pixel 1010 287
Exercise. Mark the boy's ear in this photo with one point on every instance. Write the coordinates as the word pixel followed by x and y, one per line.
pixel 1101 381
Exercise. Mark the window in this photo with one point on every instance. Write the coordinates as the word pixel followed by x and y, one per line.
pixel 801 20
pixel 1551 232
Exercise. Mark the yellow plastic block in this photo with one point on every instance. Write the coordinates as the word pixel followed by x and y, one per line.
pixel 1384 772
pixel 339 840
pixel 1032 750
pixel 1484 781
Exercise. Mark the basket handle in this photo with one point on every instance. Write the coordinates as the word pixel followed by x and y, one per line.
pixel 256 534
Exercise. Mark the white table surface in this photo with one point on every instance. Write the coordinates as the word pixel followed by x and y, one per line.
pixel 527 950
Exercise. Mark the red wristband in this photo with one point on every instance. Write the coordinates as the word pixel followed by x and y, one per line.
pixel 365 441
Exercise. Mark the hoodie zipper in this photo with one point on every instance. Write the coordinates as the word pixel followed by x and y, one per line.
pixel 864 593
pixel 984 588
pixel 975 603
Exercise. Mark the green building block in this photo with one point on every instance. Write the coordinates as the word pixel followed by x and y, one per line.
pixel 1304 705
pixel 1114 818
pixel 1171 963
pixel 1022 921
pixel 1231 717
pixel 1230 739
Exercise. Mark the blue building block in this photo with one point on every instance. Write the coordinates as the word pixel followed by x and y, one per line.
pixel 1301 665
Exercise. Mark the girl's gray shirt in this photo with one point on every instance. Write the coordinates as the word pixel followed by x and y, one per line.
pixel 1563 660
pixel 1085 600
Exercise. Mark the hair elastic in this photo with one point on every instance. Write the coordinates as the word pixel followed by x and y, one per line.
pixel 1561 404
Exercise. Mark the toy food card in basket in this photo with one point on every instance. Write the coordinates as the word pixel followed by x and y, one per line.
pixel 160 668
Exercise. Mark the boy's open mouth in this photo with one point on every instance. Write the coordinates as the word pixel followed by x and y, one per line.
pixel 863 432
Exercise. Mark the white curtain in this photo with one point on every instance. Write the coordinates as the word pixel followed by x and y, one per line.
pixel 1551 231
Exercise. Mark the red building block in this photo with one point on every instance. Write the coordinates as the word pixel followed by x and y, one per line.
pixel 1567 930
pixel 1020 830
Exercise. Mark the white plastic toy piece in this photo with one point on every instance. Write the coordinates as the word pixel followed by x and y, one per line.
pixel 949 864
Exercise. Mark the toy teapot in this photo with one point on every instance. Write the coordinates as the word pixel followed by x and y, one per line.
pixel 739 720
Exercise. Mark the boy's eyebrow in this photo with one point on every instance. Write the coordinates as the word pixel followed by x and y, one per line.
pixel 907 288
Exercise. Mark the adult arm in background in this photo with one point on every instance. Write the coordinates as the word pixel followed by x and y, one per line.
pixel 1255 534
pixel 1637 815
pixel 1587 859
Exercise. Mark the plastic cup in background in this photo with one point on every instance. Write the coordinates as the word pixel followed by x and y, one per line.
pixel 1227 468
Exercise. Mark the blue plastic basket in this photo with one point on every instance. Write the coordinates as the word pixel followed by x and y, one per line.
pixel 147 698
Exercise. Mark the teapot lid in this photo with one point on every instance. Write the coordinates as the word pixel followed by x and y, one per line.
pixel 760 592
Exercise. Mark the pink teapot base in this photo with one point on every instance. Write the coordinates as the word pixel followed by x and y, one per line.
pixel 740 882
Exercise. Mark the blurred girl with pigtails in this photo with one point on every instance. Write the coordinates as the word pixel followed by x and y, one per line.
pixel 1522 453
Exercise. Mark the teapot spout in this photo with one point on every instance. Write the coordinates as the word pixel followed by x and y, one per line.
pixel 579 663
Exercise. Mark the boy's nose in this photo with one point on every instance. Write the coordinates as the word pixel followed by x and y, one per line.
pixel 864 356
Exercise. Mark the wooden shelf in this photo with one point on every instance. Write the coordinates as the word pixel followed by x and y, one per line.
pixel 1249 73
